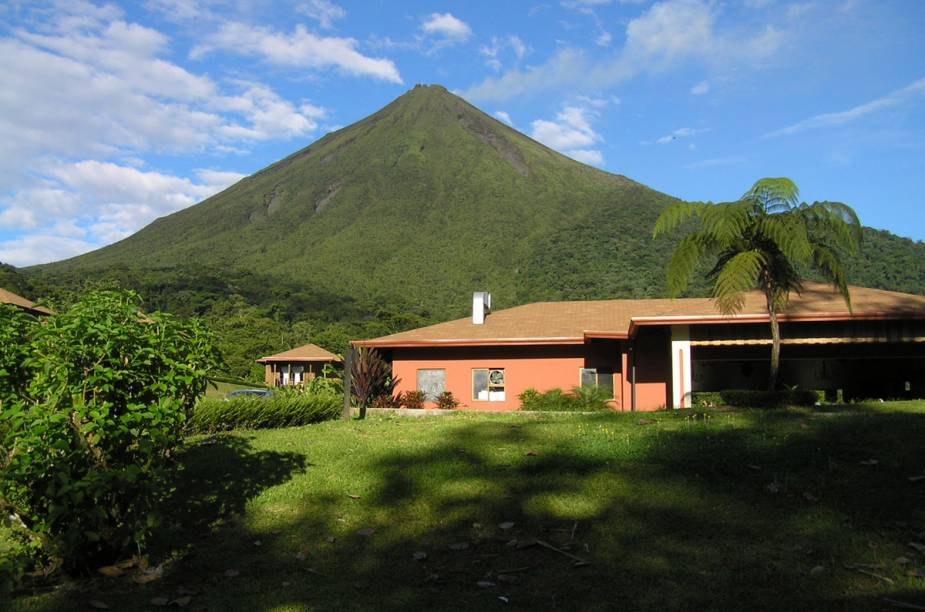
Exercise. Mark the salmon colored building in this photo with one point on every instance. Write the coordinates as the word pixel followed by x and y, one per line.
pixel 654 353
pixel 296 366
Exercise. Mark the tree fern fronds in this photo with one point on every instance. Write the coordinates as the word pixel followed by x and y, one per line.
pixel 676 214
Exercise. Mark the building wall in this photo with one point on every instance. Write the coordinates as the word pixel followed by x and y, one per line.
pixel 542 368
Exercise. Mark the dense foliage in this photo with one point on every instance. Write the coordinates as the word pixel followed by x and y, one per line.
pixel 248 412
pixel 584 399
pixel 88 436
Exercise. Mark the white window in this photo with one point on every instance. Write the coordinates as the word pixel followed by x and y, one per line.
pixel 596 377
pixel 488 384
pixel 432 383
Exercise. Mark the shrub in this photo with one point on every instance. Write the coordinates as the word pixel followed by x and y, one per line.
pixel 447 401
pixel 329 382
pixel 248 412
pixel 88 440
pixel 413 400
pixel 371 377
pixel 557 400
pixel 747 398
pixel 388 401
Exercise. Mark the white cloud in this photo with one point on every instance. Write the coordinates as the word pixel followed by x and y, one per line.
pixel 448 26
pixel 301 49
pixel 493 51
pixel 604 39
pixel 587 156
pixel 893 99
pixel 102 200
pixel 570 133
pixel 325 12
pixel 570 130
pixel 664 37
pixel 41 248
pixel 503 116
pixel 678 134
pixel 700 88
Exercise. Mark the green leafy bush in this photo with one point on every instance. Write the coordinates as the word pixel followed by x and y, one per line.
pixel 556 400
pixel 413 400
pixel 746 398
pixel 248 412
pixel 90 423
pixel 447 401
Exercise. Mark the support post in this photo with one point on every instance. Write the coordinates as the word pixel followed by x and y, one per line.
pixel 348 382
pixel 633 375
pixel 681 366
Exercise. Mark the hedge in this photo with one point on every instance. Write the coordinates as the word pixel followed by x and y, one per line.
pixel 581 399
pixel 210 415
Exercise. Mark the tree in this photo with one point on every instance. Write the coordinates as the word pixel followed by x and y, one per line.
pixel 763 241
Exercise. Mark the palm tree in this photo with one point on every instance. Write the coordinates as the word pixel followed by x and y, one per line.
pixel 761 241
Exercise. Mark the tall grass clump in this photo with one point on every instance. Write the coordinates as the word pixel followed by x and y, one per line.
pixel 280 410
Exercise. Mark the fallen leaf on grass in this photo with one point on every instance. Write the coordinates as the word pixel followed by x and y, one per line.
pixel 532 453
pixel 232 573
pixel 366 532
pixel 816 570
pixel 352 496
pixel 159 601
pixel 752 466
pixel 110 571
pixel 419 555
pixel 258 543
pixel 181 602
pixel 506 525
pixel 99 605
pixel 504 599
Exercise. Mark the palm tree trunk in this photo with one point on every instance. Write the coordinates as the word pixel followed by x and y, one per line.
pixel 775 347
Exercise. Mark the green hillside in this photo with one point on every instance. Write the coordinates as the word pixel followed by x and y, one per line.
pixel 395 220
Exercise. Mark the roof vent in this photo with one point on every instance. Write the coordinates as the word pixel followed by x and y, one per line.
pixel 481 306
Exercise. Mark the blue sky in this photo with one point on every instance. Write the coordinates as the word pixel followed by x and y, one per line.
pixel 112 115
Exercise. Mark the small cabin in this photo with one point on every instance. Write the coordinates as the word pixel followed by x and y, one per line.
pixel 296 366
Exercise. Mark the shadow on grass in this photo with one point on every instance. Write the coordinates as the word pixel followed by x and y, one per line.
pixel 769 511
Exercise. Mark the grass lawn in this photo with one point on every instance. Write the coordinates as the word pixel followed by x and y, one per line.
pixel 776 510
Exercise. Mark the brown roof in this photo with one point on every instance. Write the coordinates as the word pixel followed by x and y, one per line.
pixel 8 297
pixel 572 322
pixel 309 352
